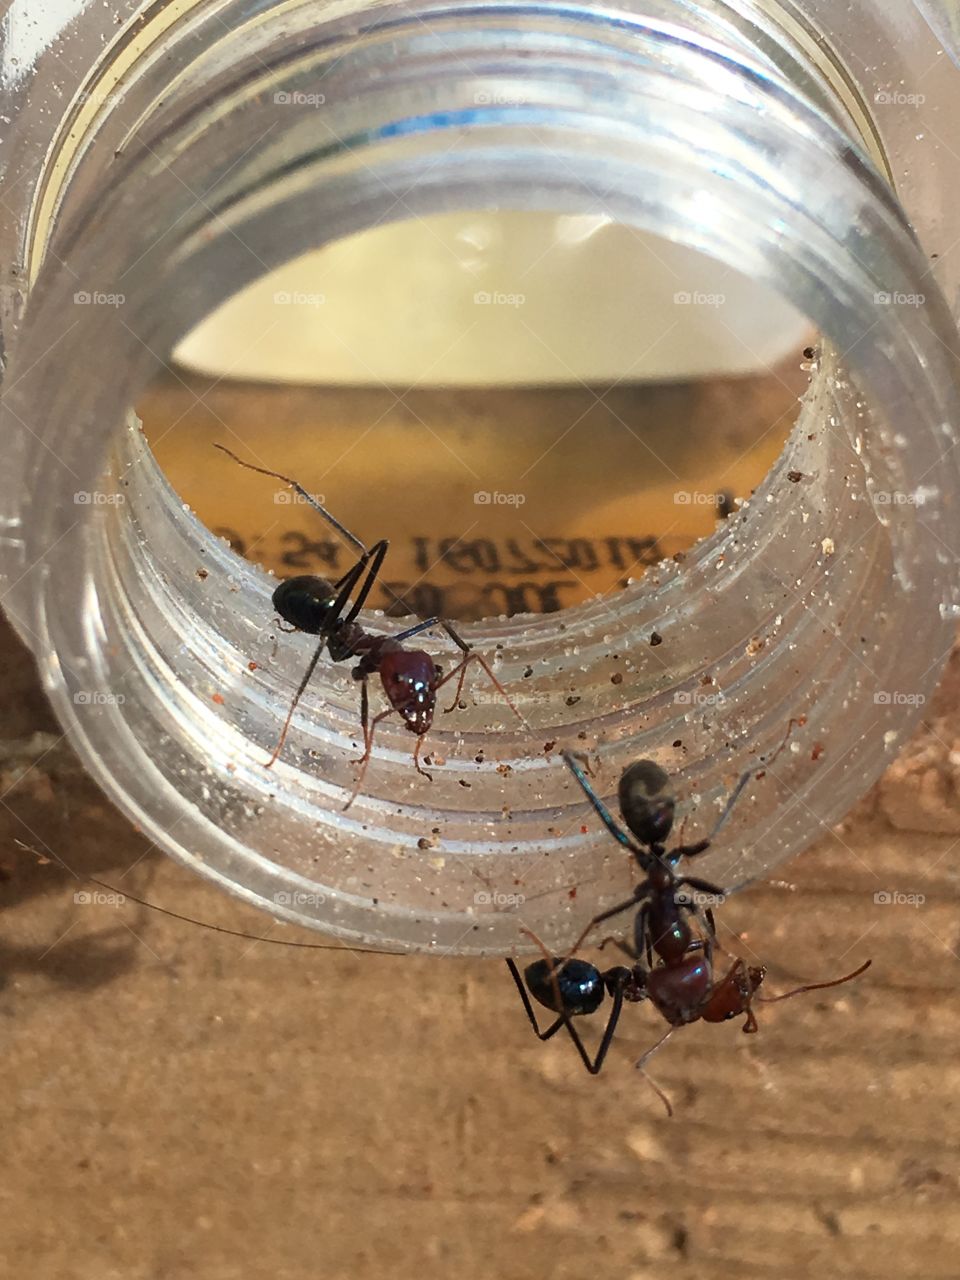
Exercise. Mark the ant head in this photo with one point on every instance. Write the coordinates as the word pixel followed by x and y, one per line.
pixel 645 802
pixel 410 679
pixel 305 602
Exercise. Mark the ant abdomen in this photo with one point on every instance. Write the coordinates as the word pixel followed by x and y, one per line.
pixel 579 984
pixel 646 803
pixel 305 602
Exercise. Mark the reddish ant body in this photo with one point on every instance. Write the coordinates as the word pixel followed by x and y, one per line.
pixel 411 678
pixel 681 983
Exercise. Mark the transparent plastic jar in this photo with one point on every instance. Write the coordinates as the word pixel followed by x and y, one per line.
pixel 150 174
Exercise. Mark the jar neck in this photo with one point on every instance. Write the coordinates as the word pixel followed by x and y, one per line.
pixel 224 162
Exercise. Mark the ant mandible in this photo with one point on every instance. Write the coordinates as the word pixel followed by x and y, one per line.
pixel 410 677
pixel 681 985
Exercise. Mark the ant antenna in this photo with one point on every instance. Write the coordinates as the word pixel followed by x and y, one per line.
pixel 201 924
pixel 797 722
pixel 298 488
pixel 816 986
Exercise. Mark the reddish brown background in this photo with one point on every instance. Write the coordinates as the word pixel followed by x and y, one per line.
pixel 179 1104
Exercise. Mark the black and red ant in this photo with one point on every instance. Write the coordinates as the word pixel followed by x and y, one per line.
pixel 411 678
pixel 681 983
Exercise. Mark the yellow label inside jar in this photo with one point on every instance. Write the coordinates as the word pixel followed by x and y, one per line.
pixel 495 500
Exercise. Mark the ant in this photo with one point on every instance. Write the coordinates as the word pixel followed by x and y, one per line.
pixel 410 677
pixel 681 984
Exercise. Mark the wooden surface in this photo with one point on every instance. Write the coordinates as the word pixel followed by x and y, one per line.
pixel 179 1104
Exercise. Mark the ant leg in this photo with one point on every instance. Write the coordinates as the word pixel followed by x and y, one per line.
pixel 472 655
pixel 594 1067
pixel 599 919
pixel 528 1007
pixel 603 813
pixel 641 929
pixel 735 794
pixel 330 518
pixel 345 585
pixel 373 559
pixel 625 947
pixel 416 759
pixel 369 728
pixel 703 886
pixel 608 1031
pixel 415 630
pixel 641 1064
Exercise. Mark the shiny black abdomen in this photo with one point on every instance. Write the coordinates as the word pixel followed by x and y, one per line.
pixel 580 985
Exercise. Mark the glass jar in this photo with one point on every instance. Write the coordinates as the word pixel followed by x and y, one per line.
pixel 153 170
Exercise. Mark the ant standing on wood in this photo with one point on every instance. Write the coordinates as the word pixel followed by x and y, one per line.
pixel 680 984
pixel 410 677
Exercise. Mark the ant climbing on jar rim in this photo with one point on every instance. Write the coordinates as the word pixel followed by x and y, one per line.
pixel 411 678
